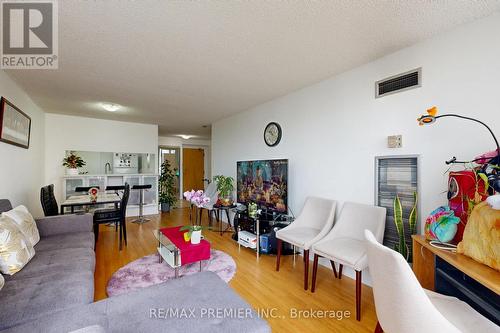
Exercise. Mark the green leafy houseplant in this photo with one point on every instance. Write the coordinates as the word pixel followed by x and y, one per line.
pixel 191 228
pixel 72 162
pixel 401 246
pixel 166 187
pixel 225 187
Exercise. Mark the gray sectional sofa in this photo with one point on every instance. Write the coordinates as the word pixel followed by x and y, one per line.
pixel 54 292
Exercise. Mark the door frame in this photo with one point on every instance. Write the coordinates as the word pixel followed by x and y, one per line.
pixel 160 161
pixel 207 161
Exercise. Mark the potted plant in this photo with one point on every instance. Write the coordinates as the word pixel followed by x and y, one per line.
pixel 194 232
pixel 166 187
pixel 72 162
pixel 401 246
pixel 225 187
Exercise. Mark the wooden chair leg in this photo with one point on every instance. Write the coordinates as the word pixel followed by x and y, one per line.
pixel 306 269
pixel 340 271
pixel 278 256
pixel 209 214
pixel 358 295
pixel 334 269
pixel 315 270
pixel 378 328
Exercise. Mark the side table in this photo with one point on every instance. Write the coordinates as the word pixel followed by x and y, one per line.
pixel 218 209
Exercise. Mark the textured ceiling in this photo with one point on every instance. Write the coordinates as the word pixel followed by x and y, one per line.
pixel 184 64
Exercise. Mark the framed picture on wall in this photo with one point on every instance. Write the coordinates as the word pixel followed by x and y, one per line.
pixel 15 125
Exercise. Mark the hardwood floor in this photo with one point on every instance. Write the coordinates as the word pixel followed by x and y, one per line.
pixel 256 281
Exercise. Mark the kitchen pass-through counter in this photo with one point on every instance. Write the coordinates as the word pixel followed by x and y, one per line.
pixel 103 180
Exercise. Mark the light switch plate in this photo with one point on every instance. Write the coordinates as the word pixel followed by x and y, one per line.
pixel 395 141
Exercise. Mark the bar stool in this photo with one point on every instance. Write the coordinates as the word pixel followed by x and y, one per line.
pixel 141 188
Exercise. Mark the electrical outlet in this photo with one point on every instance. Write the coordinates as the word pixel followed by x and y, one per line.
pixel 395 141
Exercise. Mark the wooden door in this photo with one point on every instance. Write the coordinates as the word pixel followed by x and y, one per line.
pixel 193 169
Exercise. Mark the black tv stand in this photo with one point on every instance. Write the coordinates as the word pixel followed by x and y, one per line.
pixel 265 224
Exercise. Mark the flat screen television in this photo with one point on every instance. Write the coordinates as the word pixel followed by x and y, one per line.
pixel 264 182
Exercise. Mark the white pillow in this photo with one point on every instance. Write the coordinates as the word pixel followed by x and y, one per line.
pixel 26 223
pixel 15 249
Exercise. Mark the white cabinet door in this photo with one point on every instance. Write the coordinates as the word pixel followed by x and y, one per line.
pixel 70 184
pixel 97 181
pixel 134 194
pixel 150 194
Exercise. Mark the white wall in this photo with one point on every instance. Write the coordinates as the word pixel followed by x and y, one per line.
pixel 172 141
pixel 89 134
pixel 333 130
pixel 21 170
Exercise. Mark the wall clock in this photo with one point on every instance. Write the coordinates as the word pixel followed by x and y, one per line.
pixel 272 134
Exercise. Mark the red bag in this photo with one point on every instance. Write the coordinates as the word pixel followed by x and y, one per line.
pixel 464 186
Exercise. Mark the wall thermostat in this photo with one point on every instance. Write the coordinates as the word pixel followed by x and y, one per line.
pixel 395 141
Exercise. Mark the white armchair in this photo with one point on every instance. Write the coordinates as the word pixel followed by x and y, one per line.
pixel 345 243
pixel 313 223
pixel 402 305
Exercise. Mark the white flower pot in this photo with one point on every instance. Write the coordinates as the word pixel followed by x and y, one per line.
pixel 72 172
pixel 196 237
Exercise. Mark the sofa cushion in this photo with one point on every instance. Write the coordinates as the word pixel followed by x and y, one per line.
pixel 2 281
pixel 58 261
pixel 5 205
pixel 153 309
pixel 31 298
pixel 148 309
pixel 26 223
pixel 15 250
pixel 82 240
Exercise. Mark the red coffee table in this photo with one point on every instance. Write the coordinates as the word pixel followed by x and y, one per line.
pixel 176 251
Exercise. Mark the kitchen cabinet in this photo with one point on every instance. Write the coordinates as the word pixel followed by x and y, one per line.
pixel 150 196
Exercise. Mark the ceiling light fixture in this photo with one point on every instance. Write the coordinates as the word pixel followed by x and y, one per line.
pixel 110 107
pixel 186 137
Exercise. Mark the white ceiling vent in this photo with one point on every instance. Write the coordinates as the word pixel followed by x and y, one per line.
pixel 398 83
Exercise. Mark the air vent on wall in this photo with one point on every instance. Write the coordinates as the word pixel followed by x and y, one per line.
pixel 398 83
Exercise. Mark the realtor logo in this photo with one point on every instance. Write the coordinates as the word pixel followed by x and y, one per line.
pixel 29 34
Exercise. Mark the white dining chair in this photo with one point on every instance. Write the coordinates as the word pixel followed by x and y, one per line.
pixel 212 193
pixel 345 244
pixel 313 223
pixel 402 305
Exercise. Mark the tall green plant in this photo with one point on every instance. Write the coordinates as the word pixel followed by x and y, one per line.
pixel 166 184
pixel 401 246
pixel 225 185
pixel 412 221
